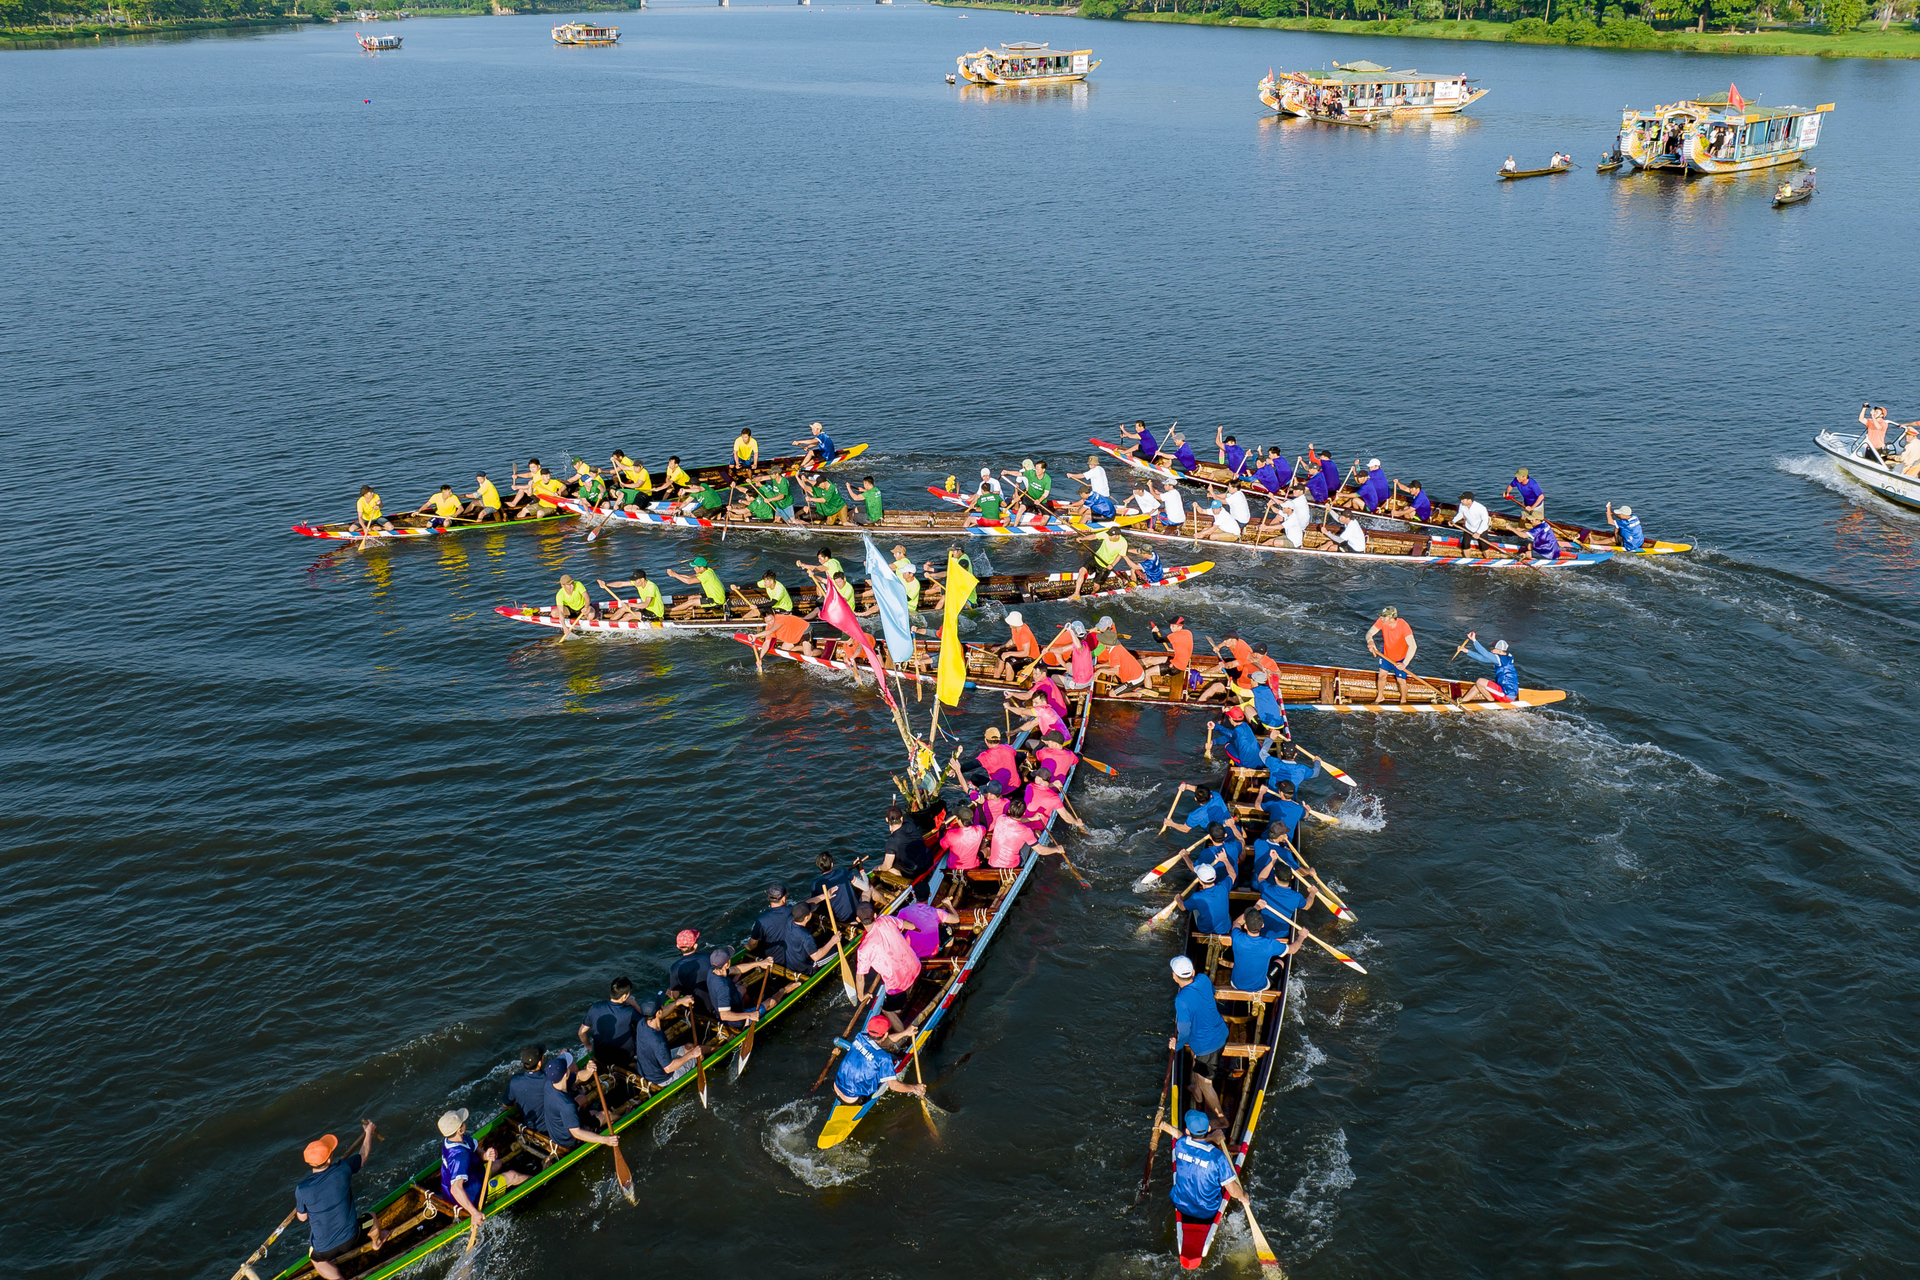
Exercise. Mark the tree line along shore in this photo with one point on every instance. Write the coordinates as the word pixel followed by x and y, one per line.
pixel 1835 29
pixel 40 21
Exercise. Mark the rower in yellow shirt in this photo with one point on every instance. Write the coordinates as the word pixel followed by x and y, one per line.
pixel 484 502
pixel 636 484
pixel 645 605
pixel 571 602
pixel 523 503
pixel 549 489
pixel 677 480
pixel 746 450
pixel 367 513
pixel 445 505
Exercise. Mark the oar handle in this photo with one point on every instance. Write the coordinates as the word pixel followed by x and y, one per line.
pixel 246 1268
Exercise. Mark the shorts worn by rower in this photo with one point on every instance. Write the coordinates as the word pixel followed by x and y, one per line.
pixel 464 1168
pixel 324 1201
pixel 1200 1030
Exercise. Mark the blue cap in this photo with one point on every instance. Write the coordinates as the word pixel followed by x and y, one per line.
pixel 1197 1122
pixel 556 1070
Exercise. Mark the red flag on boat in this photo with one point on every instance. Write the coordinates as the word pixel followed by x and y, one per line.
pixel 1734 100
pixel 833 607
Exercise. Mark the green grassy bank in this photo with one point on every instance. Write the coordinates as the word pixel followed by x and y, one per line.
pixel 110 31
pixel 1865 41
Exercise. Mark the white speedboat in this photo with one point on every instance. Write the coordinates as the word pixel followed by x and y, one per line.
pixel 1874 469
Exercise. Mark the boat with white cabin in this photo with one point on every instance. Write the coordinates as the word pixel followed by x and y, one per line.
pixel 1025 62
pixel 375 44
pixel 1718 133
pixel 1366 91
pixel 574 33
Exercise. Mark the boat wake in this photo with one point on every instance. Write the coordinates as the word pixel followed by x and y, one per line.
pixel 788 1138
pixel 1313 1206
pixel 1303 1063
pixel 674 1121
pixel 1363 811
pixel 1597 756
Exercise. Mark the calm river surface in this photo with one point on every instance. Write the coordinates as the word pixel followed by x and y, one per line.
pixel 292 837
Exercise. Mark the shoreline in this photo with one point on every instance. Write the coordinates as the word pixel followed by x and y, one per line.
pixel 1898 42
pixel 81 33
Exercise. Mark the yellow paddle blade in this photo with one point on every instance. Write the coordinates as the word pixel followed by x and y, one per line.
pixel 1205 566
pixel 851 454
pixel 1127 522
pixel 839 1127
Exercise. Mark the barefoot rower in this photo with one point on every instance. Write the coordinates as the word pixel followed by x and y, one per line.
pixel 483 504
pixel 462 1169
pixel 868 1068
pixel 324 1201
pixel 1021 647
pixel 1415 506
pixel 818 444
pixel 366 513
pixel 746 450
pixel 1505 685
pixel 571 602
pixel 1391 641
pixel 1109 549
pixel 646 604
pixel 445 505
pixel 709 583
pixel 1200 1030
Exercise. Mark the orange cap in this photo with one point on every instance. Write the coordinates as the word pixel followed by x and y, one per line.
pixel 320 1150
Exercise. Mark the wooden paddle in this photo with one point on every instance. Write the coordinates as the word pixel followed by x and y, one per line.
pixel 926 1108
pixel 1260 1245
pixel 840 945
pixel 622 1175
pixel 1107 769
pixel 1170 808
pixel 473 1234
pixel 1327 897
pixel 1159 1112
pixel 859 1007
pixel 1328 947
pixel 1331 770
pixel 246 1268
pixel 1209 749
pixel 1180 901
pixel 746 1046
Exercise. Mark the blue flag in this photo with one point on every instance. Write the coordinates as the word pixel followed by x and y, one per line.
pixel 891 595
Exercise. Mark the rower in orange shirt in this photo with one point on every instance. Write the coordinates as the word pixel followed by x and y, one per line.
pixel 1022 645
pixel 1395 651
pixel 1179 642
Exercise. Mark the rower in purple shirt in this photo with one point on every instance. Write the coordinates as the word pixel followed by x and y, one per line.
pixel 1183 456
pixel 1148 448
pixel 1232 456
pixel 1545 545
pixel 1376 488
pixel 1523 490
pixel 1331 477
pixel 1269 473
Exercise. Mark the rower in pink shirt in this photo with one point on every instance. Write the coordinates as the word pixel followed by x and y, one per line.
pixel 1042 802
pixel 998 760
pixel 1056 758
pixel 885 953
pixel 962 842
pixel 921 923
pixel 1010 835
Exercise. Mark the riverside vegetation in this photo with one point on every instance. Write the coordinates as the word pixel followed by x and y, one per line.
pixel 1835 29
pixel 38 21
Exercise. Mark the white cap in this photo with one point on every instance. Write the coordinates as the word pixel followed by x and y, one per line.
pixel 1373 464
pixel 1499 646
pixel 1182 967
pixel 987 472
pixel 450 1122
pixel 1206 873
pixel 1014 619
pixel 1624 510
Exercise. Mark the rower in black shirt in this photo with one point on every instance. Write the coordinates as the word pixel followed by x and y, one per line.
pixel 609 1025
pixel 528 1090
pixel 730 1005
pixel 796 949
pixel 840 882
pixel 907 854
pixel 656 1062
pixel 687 976
pixel 772 922
pixel 559 1119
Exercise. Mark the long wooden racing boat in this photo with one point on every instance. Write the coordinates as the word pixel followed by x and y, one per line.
pixel 1254 1023
pixel 414 524
pixel 1214 476
pixel 1302 687
pixel 982 898
pixel 696 613
pixel 419 1220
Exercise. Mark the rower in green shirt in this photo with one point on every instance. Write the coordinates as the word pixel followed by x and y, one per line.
pixel 778 495
pixel 707 580
pixel 868 494
pixel 986 503
pixel 707 498
pixel 824 497
pixel 825 563
pixel 758 508
pixel 592 490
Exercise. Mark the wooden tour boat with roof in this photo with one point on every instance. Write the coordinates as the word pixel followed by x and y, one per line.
pixel 1024 62
pixel 377 44
pixel 1212 475
pixel 1719 133
pixel 1364 92
pixel 1254 1021
pixel 420 1220
pixel 572 33
pixel 983 898
pixel 1302 687
pixel 695 613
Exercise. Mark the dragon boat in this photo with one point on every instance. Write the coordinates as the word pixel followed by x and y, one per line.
pixel 415 524
pixel 694 612
pixel 983 898
pixel 1302 687
pixel 420 1221
pixel 1214 476
pixel 1362 92
pixel 1719 133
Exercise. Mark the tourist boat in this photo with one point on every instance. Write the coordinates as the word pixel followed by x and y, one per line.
pixel 582 33
pixel 419 1220
pixel 1342 690
pixel 1025 62
pixel 1254 1023
pixel 1792 194
pixel 375 44
pixel 983 898
pixel 1362 92
pixel 1873 469
pixel 411 524
pixel 1718 133
pixel 695 613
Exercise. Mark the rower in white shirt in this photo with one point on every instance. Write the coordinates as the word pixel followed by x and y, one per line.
pixel 1351 537
pixel 1474 520
pixel 1094 477
pixel 1145 502
pixel 1236 502
pixel 1173 507
pixel 1225 527
pixel 1295 513
pixel 988 484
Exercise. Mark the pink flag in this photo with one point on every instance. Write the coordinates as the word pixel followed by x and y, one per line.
pixel 834 609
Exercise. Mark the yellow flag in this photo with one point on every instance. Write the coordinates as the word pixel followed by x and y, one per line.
pixel 953 659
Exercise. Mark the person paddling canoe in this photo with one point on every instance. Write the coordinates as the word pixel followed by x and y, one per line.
pixel 367 517
pixel 1626 527
pixel 1255 948
pixel 1200 1030
pixel 709 583
pixel 587 484
pixel 659 1066
pixel 675 483
pixel 324 1201
pixel 462 1169
pixel 1527 492
pixel 1109 549
pixel 647 604
pixel 444 506
pixel 1505 684
pixel 571 602
pixel 608 1026
pixel 636 483
pixel 818 444
pixel 1202 1170
pixel 787 630
pixel 731 1008
pixel 483 504
pixel 1390 639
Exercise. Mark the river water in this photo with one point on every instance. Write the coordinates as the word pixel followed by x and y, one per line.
pixel 294 836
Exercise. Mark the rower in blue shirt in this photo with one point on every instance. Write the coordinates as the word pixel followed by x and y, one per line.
pixel 1283 809
pixel 1183 455
pixel 1376 488
pixel 1222 852
pixel 608 1027
pixel 1200 1030
pixel 1203 1174
pixel 1148 448
pixel 1210 807
pixel 1282 760
pixel 657 1063
pixel 324 1201
pixel 1545 545
pixel 1243 747
pixel 1278 896
pixel 1274 474
pixel 868 1067
pixel 818 442
pixel 1331 478
pixel 1529 495
pixel 1626 526
pixel 1209 902
pixel 1416 506
pixel 1151 568
pixel 1505 685
pixel 1255 948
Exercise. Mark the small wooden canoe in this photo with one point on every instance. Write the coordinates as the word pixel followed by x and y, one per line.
pixel 1795 196
pixel 1508 175
pixel 1358 122
pixel 1608 166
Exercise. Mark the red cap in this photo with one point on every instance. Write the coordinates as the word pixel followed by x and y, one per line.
pixel 687 938
pixel 878 1025
pixel 1234 713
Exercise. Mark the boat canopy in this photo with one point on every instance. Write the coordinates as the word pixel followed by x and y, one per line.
pixel 1026 49
pixel 1367 73
pixel 1718 104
